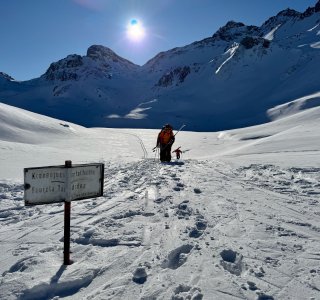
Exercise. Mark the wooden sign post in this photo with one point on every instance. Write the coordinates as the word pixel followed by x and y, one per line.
pixel 67 220
pixel 54 184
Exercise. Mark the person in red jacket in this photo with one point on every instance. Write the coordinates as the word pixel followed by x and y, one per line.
pixel 164 142
pixel 178 152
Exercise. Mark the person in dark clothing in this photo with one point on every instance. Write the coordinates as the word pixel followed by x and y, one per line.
pixel 178 152
pixel 164 142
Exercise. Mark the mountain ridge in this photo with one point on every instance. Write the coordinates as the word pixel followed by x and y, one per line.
pixel 207 84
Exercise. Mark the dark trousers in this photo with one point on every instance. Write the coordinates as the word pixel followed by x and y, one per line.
pixel 165 152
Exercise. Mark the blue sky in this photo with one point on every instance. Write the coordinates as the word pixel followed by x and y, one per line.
pixel 35 33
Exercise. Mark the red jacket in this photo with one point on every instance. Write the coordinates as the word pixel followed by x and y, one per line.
pixel 165 136
pixel 178 151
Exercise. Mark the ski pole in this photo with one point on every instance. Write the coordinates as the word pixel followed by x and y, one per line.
pixel 155 155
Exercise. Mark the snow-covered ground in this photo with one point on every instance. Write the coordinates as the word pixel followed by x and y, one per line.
pixel 238 217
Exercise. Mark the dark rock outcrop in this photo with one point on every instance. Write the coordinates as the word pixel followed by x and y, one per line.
pixel 98 52
pixel 179 74
pixel 249 42
pixel 6 76
pixel 64 69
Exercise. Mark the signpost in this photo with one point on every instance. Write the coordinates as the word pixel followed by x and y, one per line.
pixel 54 184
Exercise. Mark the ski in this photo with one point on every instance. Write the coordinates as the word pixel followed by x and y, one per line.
pixel 180 129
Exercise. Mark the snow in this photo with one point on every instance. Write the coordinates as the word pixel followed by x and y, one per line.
pixel 230 52
pixel 270 36
pixel 137 113
pixel 313 28
pixel 236 218
pixel 315 45
pixel 293 107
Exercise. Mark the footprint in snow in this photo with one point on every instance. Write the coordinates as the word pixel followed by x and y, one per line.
pixel 183 210
pixel 140 275
pixel 178 187
pixel 183 291
pixel 177 257
pixel 197 190
pixel 231 261
pixel 198 229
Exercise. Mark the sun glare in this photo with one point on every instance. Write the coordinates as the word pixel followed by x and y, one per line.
pixel 135 30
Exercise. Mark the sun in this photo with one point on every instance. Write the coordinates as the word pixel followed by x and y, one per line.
pixel 135 30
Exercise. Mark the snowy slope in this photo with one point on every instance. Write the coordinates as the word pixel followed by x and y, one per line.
pixel 237 218
pixel 228 80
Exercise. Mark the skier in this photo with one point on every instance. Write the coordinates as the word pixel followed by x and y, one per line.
pixel 178 152
pixel 164 142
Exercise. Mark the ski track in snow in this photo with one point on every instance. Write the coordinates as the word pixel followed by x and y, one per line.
pixel 147 219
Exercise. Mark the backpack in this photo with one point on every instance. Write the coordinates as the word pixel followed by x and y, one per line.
pixel 165 135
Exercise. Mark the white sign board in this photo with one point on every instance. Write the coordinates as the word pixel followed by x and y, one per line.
pixel 54 184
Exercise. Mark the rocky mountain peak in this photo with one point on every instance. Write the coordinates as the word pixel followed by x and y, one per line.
pixel 64 69
pixel 282 17
pixel 102 53
pixel 97 63
pixel 232 30
pixel 223 32
pixel 232 24
pixel 289 13
pixel 99 52
pixel 311 10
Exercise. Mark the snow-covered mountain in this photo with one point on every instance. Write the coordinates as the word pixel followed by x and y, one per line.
pixel 228 80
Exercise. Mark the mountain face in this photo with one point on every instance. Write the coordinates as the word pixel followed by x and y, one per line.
pixel 228 80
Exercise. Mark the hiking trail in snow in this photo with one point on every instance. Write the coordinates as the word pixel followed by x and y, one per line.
pixel 225 232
